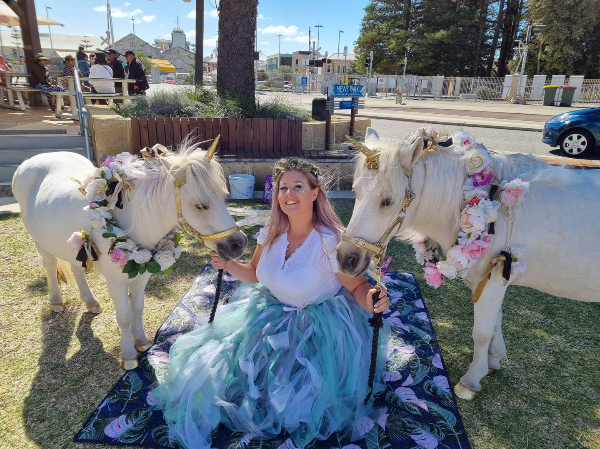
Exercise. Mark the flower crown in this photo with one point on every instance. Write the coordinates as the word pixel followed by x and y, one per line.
pixel 296 164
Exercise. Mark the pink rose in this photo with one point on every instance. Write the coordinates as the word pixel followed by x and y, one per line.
pixel 89 178
pixel 513 192
pixel 119 256
pixel 457 257
pixel 472 221
pixel 475 250
pixel 76 240
pixel 108 161
pixel 94 205
pixel 433 275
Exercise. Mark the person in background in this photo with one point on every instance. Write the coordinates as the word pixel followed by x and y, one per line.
pixel 68 69
pixel 101 69
pixel 80 53
pixel 39 78
pixel 135 71
pixel 4 68
pixel 117 68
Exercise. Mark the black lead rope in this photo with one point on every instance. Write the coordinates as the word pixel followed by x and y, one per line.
pixel 376 322
pixel 217 294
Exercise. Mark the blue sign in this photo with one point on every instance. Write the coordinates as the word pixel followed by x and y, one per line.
pixel 304 81
pixel 349 104
pixel 348 90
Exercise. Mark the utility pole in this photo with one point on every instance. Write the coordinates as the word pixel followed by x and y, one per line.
pixel 49 32
pixel 339 38
pixel 111 34
pixel 199 57
pixel 318 27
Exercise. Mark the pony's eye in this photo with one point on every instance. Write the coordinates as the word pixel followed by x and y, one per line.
pixel 201 206
pixel 387 202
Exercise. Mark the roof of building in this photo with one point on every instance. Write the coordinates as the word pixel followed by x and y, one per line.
pixel 60 42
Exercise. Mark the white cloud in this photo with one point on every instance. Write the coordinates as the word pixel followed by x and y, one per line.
pixel 265 43
pixel 127 3
pixel 260 16
pixel 148 18
pixel 303 37
pixel 292 30
pixel 211 41
pixel 192 14
pixel 214 13
pixel 167 36
pixel 118 13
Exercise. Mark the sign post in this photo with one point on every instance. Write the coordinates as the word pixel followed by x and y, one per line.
pixel 354 91
pixel 328 122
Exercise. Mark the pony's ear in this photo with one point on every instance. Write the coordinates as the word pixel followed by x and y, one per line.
pixel 411 154
pixel 371 137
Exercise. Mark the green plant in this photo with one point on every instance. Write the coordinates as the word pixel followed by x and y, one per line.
pixel 144 60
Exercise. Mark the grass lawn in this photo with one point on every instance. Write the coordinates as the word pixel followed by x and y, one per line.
pixel 56 368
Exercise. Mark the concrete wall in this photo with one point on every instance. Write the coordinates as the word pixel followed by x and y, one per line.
pixel 313 133
pixel 111 133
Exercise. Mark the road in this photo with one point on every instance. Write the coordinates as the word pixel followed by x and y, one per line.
pixel 494 139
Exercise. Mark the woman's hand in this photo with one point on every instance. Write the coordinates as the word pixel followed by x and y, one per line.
pixel 217 262
pixel 382 305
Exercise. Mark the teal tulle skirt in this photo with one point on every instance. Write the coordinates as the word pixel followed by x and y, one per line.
pixel 263 367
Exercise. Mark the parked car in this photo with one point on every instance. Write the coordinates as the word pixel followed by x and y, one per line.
pixel 576 133
pixel 287 85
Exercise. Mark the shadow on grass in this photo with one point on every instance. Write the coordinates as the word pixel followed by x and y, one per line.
pixel 64 385
pixel 39 286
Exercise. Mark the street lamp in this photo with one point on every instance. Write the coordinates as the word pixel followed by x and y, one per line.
pixel 338 53
pixel 279 54
pixel 49 32
pixel 318 27
pixel 134 37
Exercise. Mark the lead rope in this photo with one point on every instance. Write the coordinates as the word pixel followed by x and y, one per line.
pixel 217 294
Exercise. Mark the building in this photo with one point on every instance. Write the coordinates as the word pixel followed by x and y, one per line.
pixel 273 61
pixel 298 61
pixel 61 45
pixel 134 43
pixel 178 39
pixel 340 63
pixel 182 59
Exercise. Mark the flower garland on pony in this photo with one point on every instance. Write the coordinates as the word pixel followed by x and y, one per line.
pixel 476 219
pixel 103 188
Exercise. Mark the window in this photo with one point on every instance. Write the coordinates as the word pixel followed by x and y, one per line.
pixel 296 62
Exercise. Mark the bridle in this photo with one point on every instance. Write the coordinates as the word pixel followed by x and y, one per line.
pixel 159 150
pixel 379 249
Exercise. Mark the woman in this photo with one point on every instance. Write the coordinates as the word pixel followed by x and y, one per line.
pixel 101 69
pixel 68 68
pixel 289 353
pixel 39 78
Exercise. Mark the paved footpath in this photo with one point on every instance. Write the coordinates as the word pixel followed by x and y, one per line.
pixel 488 114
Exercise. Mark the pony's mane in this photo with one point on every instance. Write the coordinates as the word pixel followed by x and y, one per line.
pixel 153 178
pixel 445 173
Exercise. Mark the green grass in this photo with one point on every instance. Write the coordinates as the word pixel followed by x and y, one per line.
pixel 56 368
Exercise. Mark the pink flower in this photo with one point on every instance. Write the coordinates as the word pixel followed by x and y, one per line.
pixel 94 205
pixel 108 161
pixel 76 240
pixel 457 257
pixel 433 275
pixel 472 221
pixel 475 250
pixel 89 178
pixel 119 256
pixel 513 192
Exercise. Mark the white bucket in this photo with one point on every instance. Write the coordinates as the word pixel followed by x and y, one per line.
pixel 241 187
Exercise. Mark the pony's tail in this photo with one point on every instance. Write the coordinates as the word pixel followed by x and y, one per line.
pixel 64 275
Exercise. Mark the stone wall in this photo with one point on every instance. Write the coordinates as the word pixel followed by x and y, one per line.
pixel 111 133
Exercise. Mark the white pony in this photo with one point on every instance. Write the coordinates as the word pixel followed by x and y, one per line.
pixel 556 225
pixel 52 209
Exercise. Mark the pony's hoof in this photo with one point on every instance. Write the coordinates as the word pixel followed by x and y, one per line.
pixel 464 392
pixel 491 372
pixel 129 364
pixel 142 348
pixel 57 308
pixel 95 309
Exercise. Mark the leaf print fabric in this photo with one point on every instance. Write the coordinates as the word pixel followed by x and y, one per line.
pixel 417 409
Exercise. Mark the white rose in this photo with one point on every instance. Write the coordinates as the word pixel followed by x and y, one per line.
pixel 177 252
pixel 472 221
pixel 165 245
pixel 99 223
pixel 141 256
pixel 128 246
pixel 98 212
pixel 118 232
pixel 446 269
pixel 124 156
pixel 96 190
pixel 165 259
pixel 477 159
pixel 462 140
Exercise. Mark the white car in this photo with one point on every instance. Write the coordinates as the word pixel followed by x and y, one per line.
pixel 287 85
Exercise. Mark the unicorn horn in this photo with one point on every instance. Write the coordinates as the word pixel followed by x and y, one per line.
pixel 213 148
pixel 372 156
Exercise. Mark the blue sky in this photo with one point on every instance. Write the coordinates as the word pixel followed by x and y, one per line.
pixel 156 18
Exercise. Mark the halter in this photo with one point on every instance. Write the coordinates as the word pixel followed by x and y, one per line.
pixel 379 249
pixel 159 150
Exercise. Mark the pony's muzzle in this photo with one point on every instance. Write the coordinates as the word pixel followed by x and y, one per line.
pixel 352 261
pixel 232 246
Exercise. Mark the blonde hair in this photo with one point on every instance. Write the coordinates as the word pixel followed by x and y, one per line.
pixel 324 217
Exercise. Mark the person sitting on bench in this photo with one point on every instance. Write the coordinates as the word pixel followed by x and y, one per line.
pixel 40 79
pixel 101 69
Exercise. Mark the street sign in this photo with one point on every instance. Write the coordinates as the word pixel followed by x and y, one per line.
pixel 349 104
pixel 348 90
pixel 304 81
pixel 345 50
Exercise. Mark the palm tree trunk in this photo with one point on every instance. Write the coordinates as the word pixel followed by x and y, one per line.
pixel 237 26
